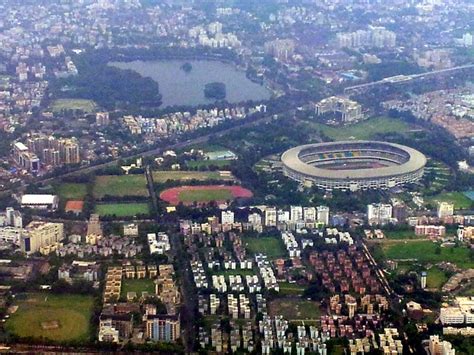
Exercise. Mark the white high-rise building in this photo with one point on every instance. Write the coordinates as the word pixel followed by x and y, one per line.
pixel 227 217
pixel 445 209
pixel 296 213
pixel 323 215
pixel 309 214
pixel 438 347
pixel 271 217
pixel 467 40
pixel 255 219
pixel 379 213
pixel 423 279
pixel 283 216
pixel 214 28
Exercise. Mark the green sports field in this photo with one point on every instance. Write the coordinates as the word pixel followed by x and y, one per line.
pixel 400 234
pixel 363 130
pixel 120 185
pixel 55 317
pixel 459 200
pixel 295 309
pixel 73 104
pixel 138 286
pixel 72 191
pixel 435 278
pixel 122 209
pixel 293 289
pixel 207 163
pixel 205 195
pixel 163 176
pixel 271 246
pixel 426 252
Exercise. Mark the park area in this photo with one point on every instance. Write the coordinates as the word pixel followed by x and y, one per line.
pixel 363 130
pixel 86 106
pixel 196 164
pixel 295 309
pixel 271 246
pixel 138 286
pixel 459 199
pixel 56 317
pixel 290 289
pixel 203 194
pixel 71 191
pixel 435 278
pixel 128 209
pixel 425 251
pixel 163 176
pixel 120 186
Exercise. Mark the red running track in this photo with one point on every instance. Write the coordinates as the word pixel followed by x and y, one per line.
pixel 172 195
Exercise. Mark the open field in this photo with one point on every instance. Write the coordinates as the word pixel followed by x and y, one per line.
pixel 120 185
pixel 401 234
pixel 72 191
pixel 294 309
pixel 56 317
pixel 426 252
pixel 163 176
pixel 363 130
pixel 138 286
pixel 128 209
pixel 293 289
pixel 207 163
pixel 435 278
pixel 460 200
pixel 203 194
pixel 73 104
pixel 272 247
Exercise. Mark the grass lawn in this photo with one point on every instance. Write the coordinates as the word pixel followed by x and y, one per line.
pixel 403 234
pixel 73 104
pixel 294 309
pixel 122 209
pixel 138 286
pixel 425 252
pixel 163 176
pixel 460 200
pixel 72 191
pixel 468 291
pixel 68 314
pixel 363 130
pixel 206 163
pixel 293 289
pixel 272 247
pixel 435 278
pixel 120 185
pixel 205 195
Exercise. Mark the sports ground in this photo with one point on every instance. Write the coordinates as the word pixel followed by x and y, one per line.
pixel 55 317
pixel 73 104
pixel 163 176
pixel 120 185
pixel 123 209
pixel 203 194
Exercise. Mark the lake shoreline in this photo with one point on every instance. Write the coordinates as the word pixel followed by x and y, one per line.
pixel 180 88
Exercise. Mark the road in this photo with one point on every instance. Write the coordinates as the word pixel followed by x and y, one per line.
pixel 188 293
pixel 406 78
pixel 151 190
pixel 378 271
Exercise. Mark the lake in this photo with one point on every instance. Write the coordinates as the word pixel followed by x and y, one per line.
pixel 181 88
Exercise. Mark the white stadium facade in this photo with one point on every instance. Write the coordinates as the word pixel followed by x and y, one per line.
pixel 353 165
